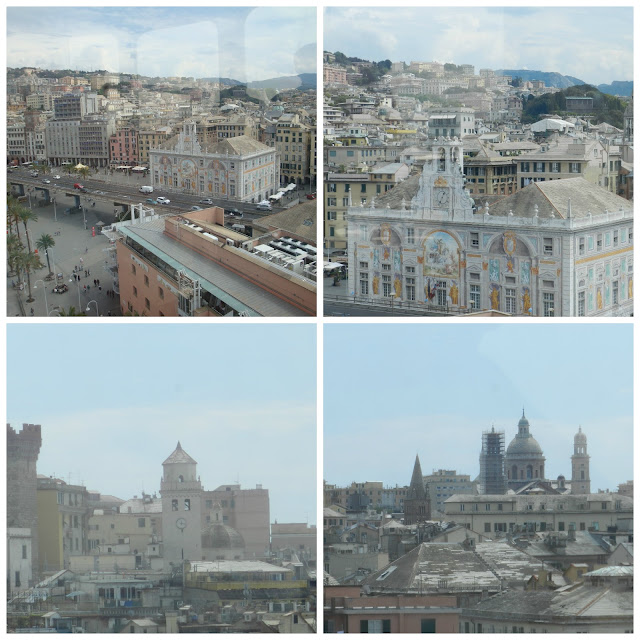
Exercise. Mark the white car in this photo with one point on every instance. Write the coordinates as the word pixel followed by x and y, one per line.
pixel 162 200
pixel 56 177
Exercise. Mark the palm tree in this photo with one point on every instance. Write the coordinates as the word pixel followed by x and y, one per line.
pixel 27 215
pixel 84 171
pixel 28 262
pixel 14 247
pixel 71 312
pixel 43 243
pixel 13 210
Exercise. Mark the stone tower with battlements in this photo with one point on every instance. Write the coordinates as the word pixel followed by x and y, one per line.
pixel 23 448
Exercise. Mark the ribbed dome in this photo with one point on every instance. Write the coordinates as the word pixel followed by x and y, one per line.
pixel 580 437
pixel 221 536
pixel 523 422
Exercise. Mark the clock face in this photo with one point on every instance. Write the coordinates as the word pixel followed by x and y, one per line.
pixel 441 197
pixel 181 523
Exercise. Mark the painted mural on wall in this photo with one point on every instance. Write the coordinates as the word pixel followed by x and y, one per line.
pixel 376 258
pixel 525 272
pixel 441 256
pixel 494 270
pixel 527 309
pixel 494 296
pixel 453 293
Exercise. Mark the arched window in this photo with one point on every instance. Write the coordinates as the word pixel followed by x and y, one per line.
pixel 441 159
pixel 514 472
pixel 529 472
pixel 180 479
pixel 174 505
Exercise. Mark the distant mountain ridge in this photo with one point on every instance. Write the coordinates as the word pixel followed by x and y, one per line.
pixel 301 81
pixel 617 88
pixel 551 78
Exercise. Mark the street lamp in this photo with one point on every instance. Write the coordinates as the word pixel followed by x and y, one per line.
pixel 88 303
pixel 44 288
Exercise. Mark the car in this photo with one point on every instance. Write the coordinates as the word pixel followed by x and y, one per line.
pixel 206 201
pixel 151 201
pixel 163 200
pixel 233 212
pixel 311 196
pixel 263 206
pixel 77 185
pixel 46 181
pixel 56 177
pixel 196 208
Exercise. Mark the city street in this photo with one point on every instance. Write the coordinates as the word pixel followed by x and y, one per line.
pixel 75 247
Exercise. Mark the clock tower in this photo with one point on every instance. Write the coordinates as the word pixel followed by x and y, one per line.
pixel 441 191
pixel 181 493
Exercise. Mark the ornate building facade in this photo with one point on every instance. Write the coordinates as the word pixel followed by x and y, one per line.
pixel 239 168
pixel 556 248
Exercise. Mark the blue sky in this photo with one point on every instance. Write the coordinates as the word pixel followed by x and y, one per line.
pixel 243 43
pixel 113 400
pixel 594 44
pixel 395 390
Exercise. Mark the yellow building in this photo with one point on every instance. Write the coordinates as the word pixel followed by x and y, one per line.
pixel 150 140
pixel 62 522
pixel 296 145
pixel 342 190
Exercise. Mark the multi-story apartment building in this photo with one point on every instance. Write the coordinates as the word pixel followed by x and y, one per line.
pixel 374 494
pixel 444 483
pixel 334 75
pixel 148 140
pixel 452 122
pixel 296 146
pixel 123 147
pixel 343 190
pixel 214 128
pixel 488 173
pixel 62 523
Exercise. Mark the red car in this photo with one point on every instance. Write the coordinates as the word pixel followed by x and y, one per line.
pixel 77 185
pixel 311 196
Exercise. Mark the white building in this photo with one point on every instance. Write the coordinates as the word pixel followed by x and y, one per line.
pixel 559 248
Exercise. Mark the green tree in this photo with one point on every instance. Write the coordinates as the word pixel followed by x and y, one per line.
pixel 14 248
pixel 13 213
pixel 70 312
pixel 84 171
pixel 44 243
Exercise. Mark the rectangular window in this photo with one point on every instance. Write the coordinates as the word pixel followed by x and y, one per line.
pixel 474 296
pixel 364 284
pixel 24 551
pixel 187 504
pixel 133 269
pixel 574 167
pixel 386 267
pixel 410 269
pixel 615 292
pixel 599 241
pixel 135 292
pixel 581 303
pixel 161 293
pixel 547 244
pixel 615 238
pixel 475 239
pixel 386 286
pixel 147 304
pixel 142 523
pixel 554 167
pixel 428 625
pixel 510 300
pixel 581 245
pixel 146 280
pixel 547 304
pixel 487 527
pixel 364 265
pixel 410 235
pixel 411 288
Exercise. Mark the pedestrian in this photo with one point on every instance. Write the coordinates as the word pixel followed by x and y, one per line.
pixel 86 249
pixel 98 281
pixel 32 312
pixel 94 282
pixel 88 287
pixel 88 272
pixel 99 288
pixel 81 262
pixel 84 288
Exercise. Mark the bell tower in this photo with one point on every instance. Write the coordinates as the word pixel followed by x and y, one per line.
pixel 441 191
pixel 181 493
pixel 580 481
pixel 416 505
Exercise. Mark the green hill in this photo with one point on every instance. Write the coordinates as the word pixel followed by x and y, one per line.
pixel 606 108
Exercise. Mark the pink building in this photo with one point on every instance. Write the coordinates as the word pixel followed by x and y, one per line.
pixel 123 147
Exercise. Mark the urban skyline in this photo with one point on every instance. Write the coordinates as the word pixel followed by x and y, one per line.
pixel 443 388
pixel 537 38
pixel 133 410
pixel 223 41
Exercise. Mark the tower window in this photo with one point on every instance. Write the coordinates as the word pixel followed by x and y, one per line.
pixel 180 479
pixel 174 505
pixel 187 504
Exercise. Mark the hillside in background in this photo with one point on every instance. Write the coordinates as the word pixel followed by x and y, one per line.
pixel 606 108
pixel 618 88
pixel 551 78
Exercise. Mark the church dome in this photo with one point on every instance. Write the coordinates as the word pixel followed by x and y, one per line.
pixel 221 536
pixel 580 437
pixel 524 445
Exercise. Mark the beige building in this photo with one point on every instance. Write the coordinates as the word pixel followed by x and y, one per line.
pixel 488 173
pixel 496 515
pixel 148 140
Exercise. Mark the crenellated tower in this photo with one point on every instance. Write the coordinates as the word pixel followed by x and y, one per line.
pixel 23 449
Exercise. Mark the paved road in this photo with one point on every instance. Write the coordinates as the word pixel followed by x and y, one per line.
pixel 73 245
